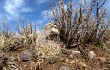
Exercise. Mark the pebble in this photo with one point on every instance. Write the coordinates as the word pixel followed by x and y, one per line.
pixel 74 53
pixel 91 54
pixel 25 56
pixel 71 56
pixel 64 68
pixel 83 64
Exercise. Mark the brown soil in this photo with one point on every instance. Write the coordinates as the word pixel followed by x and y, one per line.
pixel 79 62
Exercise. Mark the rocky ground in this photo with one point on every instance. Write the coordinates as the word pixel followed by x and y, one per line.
pixel 91 58
pixel 25 53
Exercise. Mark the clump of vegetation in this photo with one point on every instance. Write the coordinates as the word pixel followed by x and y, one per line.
pixel 2 40
pixel 88 25
pixel 48 48
pixel 25 36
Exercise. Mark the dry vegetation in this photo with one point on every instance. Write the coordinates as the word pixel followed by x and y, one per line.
pixel 85 30
pixel 83 27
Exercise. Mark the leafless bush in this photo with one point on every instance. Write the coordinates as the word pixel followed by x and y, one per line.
pixel 87 26
pixel 5 30
pixel 24 36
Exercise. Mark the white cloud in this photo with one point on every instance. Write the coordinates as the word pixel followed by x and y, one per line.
pixel 26 10
pixel 41 1
pixel 11 6
pixel 15 7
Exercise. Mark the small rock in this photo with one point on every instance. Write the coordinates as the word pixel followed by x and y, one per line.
pixel 76 52
pixel 64 68
pixel 83 64
pixel 71 56
pixel 73 61
pixel 25 56
pixel 91 54
pixel 102 59
pixel 66 60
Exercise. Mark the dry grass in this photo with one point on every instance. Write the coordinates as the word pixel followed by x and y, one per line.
pixel 25 36
pixel 48 48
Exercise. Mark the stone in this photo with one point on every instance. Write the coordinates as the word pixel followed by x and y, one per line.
pixel 83 64
pixel 66 60
pixel 91 54
pixel 76 52
pixel 64 68
pixel 25 56
pixel 74 61
pixel 71 56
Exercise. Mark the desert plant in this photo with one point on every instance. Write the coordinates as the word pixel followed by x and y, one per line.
pixel 28 32
pixel 5 30
pixel 24 36
pixel 83 27
pixel 48 48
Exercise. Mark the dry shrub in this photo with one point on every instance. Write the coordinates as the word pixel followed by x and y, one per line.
pixel 12 44
pixel 48 48
pixel 87 26
pixel 25 36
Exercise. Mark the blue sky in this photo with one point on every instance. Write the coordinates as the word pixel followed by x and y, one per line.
pixel 33 10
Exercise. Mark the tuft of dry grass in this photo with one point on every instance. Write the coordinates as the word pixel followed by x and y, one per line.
pixel 25 36
pixel 48 48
